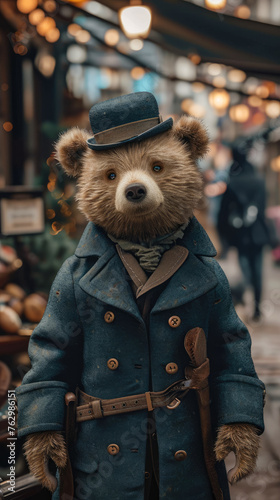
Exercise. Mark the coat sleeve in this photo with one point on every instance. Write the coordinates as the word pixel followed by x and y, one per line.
pixel 54 349
pixel 237 394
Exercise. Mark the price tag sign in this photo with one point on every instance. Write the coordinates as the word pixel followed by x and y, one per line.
pixel 21 211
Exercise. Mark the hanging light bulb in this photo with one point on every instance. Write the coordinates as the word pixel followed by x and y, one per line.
pixel 215 4
pixel 219 99
pixel 135 20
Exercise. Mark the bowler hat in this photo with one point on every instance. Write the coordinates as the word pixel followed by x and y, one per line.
pixel 125 119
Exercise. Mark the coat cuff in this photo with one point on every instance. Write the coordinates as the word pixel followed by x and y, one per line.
pixel 237 399
pixel 41 407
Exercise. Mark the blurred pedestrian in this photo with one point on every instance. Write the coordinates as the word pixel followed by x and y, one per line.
pixel 241 220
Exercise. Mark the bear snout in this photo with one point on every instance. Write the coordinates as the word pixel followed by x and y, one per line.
pixel 135 192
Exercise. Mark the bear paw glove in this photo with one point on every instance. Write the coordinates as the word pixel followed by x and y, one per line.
pixel 39 448
pixel 244 441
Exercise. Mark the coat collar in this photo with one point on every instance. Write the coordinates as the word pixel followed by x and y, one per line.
pixel 95 242
pixel 107 280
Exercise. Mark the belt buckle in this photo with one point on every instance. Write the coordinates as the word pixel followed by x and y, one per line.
pixel 174 404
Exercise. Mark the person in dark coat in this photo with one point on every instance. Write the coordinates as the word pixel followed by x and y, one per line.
pixel 241 220
pixel 122 321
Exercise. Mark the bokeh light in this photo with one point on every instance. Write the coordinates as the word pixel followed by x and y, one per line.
pixel 26 6
pixel 236 75
pixel 137 73
pixel 215 4
pixel 136 44
pixel 53 35
pixel 7 126
pixel 46 25
pixel 243 12
pixel 111 37
pixel 272 109
pixel 219 99
pixel 83 36
pixel 135 21
pixel 36 16
pixel 239 113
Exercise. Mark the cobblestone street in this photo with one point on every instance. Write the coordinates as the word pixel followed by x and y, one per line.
pixel 265 482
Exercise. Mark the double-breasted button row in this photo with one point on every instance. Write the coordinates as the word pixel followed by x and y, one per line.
pixel 174 321
pixel 170 368
pixel 180 455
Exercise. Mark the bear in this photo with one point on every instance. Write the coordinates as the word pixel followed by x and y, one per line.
pixel 140 328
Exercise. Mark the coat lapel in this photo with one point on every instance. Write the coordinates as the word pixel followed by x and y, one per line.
pixel 107 279
pixel 192 280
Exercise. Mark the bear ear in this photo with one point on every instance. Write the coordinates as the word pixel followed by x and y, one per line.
pixel 191 132
pixel 70 150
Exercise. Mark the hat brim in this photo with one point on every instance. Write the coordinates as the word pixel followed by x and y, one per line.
pixel 158 129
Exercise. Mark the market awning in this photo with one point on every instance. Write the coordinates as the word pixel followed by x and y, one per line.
pixel 187 28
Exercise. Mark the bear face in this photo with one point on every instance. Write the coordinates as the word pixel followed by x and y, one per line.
pixel 139 190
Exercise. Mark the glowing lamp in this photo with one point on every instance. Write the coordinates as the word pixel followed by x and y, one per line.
pixel 239 113
pixel 215 4
pixel 219 99
pixel 135 21
pixel 272 109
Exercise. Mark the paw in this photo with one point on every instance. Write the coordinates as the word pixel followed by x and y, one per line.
pixel 244 441
pixel 38 449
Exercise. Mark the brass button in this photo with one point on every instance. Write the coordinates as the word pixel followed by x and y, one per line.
pixel 171 368
pixel 174 321
pixel 109 317
pixel 113 449
pixel 147 475
pixel 112 363
pixel 180 455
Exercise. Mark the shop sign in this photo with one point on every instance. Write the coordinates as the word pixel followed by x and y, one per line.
pixel 21 211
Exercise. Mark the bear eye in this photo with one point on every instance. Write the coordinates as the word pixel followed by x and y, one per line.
pixel 111 176
pixel 157 168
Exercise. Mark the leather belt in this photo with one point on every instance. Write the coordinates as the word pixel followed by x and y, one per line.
pixel 93 408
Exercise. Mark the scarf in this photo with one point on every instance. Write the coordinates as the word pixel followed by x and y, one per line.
pixel 149 254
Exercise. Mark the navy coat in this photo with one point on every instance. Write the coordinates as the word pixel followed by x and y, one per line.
pixel 72 344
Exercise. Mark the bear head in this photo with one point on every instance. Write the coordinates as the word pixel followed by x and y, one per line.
pixel 140 190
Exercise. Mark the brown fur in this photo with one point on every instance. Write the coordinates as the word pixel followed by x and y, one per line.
pixel 244 441
pixel 70 150
pixel 38 449
pixel 191 131
pixel 179 181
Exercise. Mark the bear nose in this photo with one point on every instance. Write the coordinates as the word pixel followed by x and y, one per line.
pixel 135 192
